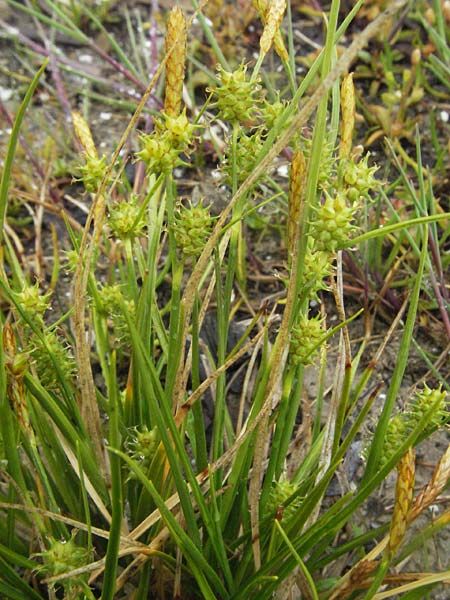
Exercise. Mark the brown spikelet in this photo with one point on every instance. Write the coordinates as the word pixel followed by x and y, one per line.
pixel 273 19
pixel 357 579
pixel 434 487
pixel 297 179
pixel 348 116
pixel 176 61
pixel 15 386
pixel 403 497
pixel 84 134
pixel 278 43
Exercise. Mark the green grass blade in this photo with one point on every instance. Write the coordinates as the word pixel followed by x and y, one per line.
pixel 12 144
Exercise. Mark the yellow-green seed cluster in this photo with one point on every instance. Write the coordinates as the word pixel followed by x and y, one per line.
pixel 358 178
pixel 236 98
pixel 280 493
pixel 306 337
pixel 63 556
pixel 113 304
pixel 126 220
pixel 431 402
pixel 193 225
pixel 247 147
pixel 333 222
pixel 49 350
pixel 92 172
pixel 162 148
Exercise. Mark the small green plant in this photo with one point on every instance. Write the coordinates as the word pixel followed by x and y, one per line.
pixel 152 442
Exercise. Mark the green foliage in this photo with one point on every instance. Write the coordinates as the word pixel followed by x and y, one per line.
pixel 154 443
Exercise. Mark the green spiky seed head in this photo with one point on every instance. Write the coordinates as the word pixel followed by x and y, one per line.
pixel 305 339
pixel 192 228
pixel 280 493
pixel 126 220
pixel 113 304
pixel 359 178
pixel 332 225
pixel 247 148
pixel 32 301
pixel 422 403
pixel 236 98
pixel 426 401
pixel 162 148
pixel 143 443
pixel 158 154
pixel 270 112
pixel 46 353
pixel 61 557
pixel 178 129
pixel 92 172
pixel 396 433
pixel 317 267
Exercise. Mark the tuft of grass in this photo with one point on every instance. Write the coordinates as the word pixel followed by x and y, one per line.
pixel 158 436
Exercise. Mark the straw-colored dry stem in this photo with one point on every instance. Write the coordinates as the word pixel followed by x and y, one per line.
pixel 176 61
pixel 357 579
pixel 297 181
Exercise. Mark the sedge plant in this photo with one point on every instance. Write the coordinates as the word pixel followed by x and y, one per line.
pixel 112 478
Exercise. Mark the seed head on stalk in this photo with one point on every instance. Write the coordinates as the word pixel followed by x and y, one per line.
pixel 176 61
pixel 403 497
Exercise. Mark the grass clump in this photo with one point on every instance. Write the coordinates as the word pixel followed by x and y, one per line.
pixel 158 435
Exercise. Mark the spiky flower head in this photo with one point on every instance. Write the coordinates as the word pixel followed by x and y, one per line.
pixel 425 400
pixel 236 98
pixel 248 146
pixel 126 219
pixel 359 178
pixel 270 111
pixel 53 360
pixel 332 225
pixel 113 304
pixel 280 493
pixel 92 172
pixel 143 443
pixel 317 267
pixel 192 228
pixel 32 301
pixel 61 557
pixel 396 433
pixel 162 148
pixel 94 168
pixel 305 339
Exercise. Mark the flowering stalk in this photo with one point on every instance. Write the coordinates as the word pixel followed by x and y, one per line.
pixel 297 180
pixel 403 497
pixel 175 42
pixel 348 116
pixel 274 12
